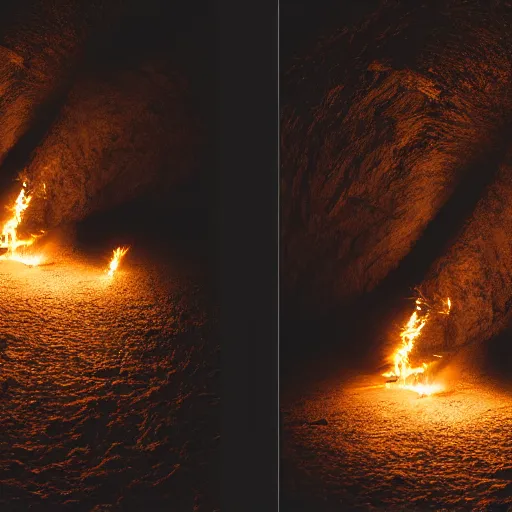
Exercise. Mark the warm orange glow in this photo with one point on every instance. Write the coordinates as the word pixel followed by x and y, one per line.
pixel 9 237
pixel 116 258
pixel 16 246
pixel 406 376
pixel 447 307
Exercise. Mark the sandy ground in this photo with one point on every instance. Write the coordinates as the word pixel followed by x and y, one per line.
pixel 109 397
pixel 385 449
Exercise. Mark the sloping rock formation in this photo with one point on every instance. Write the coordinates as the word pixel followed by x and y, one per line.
pixel 476 271
pixel 40 43
pixel 379 126
pixel 116 134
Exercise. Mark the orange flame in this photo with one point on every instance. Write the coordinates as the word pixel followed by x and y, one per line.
pixel 405 375
pixel 9 237
pixel 116 259
pixel 448 306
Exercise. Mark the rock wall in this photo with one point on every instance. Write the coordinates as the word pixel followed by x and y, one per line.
pixel 476 271
pixel 117 134
pixel 379 126
pixel 40 43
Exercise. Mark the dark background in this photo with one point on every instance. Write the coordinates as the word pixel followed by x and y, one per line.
pixel 246 226
pixel 303 23
pixel 184 36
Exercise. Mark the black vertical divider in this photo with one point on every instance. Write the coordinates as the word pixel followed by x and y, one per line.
pixel 247 254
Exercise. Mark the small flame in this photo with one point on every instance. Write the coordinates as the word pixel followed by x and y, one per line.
pixel 9 237
pixel 447 307
pixel 116 259
pixel 405 376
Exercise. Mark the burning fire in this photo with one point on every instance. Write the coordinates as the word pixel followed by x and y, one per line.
pixel 403 374
pixel 116 258
pixel 9 237
pixel 10 240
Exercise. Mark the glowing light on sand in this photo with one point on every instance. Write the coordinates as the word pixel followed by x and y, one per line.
pixel 16 246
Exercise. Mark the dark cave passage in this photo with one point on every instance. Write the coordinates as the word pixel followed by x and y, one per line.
pixel 391 159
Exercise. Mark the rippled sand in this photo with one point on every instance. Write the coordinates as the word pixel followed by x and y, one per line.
pixel 109 387
pixel 390 450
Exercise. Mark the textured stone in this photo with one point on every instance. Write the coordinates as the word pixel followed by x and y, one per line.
pixel 379 126
pixel 476 270
pixel 40 44
pixel 117 134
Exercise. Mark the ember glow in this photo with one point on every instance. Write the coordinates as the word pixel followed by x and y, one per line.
pixel 404 375
pixel 116 258
pixel 9 237
pixel 16 247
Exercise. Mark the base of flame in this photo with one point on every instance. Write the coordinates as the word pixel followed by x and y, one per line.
pixel 16 247
pixel 31 260
pixel 422 389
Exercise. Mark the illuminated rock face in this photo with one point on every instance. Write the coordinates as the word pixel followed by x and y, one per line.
pixel 110 116
pixel 40 43
pixel 379 127
pixel 477 268
pixel 117 134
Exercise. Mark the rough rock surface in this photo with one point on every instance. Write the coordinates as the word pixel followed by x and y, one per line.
pixel 379 126
pixel 39 47
pixel 476 271
pixel 117 133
